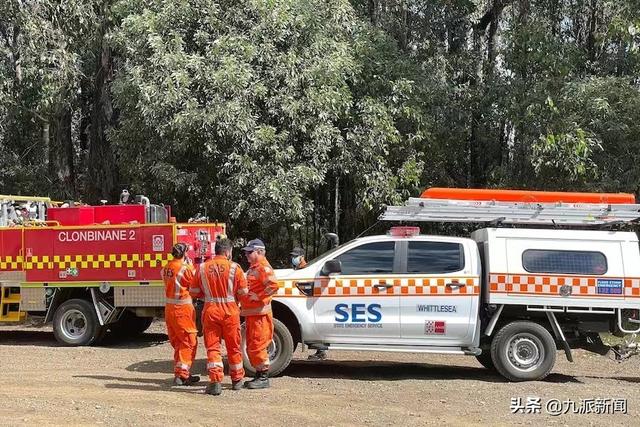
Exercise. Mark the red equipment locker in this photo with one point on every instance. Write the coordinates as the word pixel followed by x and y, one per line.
pixel 79 215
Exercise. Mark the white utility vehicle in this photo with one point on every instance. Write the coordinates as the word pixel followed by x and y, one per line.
pixel 508 295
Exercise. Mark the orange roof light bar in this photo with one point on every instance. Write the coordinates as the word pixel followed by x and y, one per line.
pixel 527 196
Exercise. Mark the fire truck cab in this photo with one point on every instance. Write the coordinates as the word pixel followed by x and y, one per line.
pixel 90 269
pixel 508 295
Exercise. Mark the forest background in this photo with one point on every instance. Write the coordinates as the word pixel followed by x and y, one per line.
pixel 287 119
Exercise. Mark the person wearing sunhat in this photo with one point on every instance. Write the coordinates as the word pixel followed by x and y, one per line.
pixel 256 309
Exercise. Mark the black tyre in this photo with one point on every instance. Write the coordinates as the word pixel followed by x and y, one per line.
pixel 523 351
pixel 75 323
pixel 485 359
pixel 280 351
pixel 129 325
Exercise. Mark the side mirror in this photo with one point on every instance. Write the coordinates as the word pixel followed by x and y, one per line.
pixel 331 266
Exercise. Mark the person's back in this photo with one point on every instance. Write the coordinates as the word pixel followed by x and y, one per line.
pixel 175 274
pixel 221 283
pixel 216 278
pixel 180 315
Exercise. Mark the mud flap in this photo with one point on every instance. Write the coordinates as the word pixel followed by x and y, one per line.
pixel 557 331
pixel 106 312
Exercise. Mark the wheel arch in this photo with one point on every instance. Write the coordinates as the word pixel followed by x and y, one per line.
pixel 286 315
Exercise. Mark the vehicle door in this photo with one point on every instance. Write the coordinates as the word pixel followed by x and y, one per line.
pixel 440 302
pixel 360 304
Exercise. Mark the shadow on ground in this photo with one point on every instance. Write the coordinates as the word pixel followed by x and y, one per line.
pixel 363 371
pixel 145 384
pixel 395 371
pixel 26 337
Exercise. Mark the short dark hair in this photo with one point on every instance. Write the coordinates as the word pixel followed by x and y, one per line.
pixel 222 246
pixel 178 250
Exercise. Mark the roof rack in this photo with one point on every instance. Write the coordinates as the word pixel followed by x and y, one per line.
pixel 539 209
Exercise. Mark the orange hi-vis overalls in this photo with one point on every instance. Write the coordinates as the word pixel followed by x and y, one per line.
pixel 221 283
pixel 180 315
pixel 256 308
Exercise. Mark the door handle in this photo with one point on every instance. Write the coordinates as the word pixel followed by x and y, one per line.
pixel 382 285
pixel 306 288
pixel 455 285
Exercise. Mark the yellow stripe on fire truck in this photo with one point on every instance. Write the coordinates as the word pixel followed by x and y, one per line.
pixel 550 285
pixel 10 262
pixel 96 261
pixel 400 286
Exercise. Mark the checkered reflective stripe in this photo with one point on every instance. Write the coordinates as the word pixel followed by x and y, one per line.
pixel 96 261
pixel 404 286
pixel 550 285
pixel 11 263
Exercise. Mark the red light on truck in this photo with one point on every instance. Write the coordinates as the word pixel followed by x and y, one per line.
pixel 404 231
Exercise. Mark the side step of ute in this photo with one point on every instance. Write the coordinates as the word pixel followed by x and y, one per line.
pixel 10 304
pixel 404 348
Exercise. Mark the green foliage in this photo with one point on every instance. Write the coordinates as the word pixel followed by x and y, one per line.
pixel 286 118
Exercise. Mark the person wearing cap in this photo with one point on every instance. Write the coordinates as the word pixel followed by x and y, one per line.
pixel 256 309
pixel 179 314
pixel 297 258
pixel 298 262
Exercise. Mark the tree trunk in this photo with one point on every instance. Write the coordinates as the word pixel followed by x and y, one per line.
pixel 102 169
pixel 336 212
pixel 373 12
pixel 46 138
pixel 591 38
pixel 61 156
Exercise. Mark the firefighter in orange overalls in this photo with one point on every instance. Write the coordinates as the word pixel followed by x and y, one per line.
pixel 221 283
pixel 256 309
pixel 180 315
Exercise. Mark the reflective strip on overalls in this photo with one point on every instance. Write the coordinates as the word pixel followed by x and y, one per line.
pixel 177 287
pixel 177 282
pixel 207 291
pixel 179 301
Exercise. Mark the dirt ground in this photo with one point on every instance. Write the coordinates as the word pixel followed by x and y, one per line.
pixel 130 384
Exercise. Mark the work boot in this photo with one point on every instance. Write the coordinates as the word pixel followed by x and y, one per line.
pixel 237 385
pixel 214 389
pixel 191 379
pixel 318 355
pixel 260 381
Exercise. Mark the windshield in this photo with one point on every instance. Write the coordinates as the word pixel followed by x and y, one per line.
pixel 323 255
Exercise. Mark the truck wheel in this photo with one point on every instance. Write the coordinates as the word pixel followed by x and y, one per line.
pixel 75 323
pixel 129 325
pixel 485 359
pixel 280 350
pixel 523 351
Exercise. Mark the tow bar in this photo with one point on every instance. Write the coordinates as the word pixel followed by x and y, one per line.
pixel 625 350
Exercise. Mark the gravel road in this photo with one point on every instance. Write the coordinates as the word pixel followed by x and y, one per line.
pixel 130 384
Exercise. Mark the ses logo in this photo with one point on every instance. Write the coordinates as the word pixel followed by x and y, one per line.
pixel 358 316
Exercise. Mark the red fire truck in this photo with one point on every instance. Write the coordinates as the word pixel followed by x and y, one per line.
pixel 89 269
